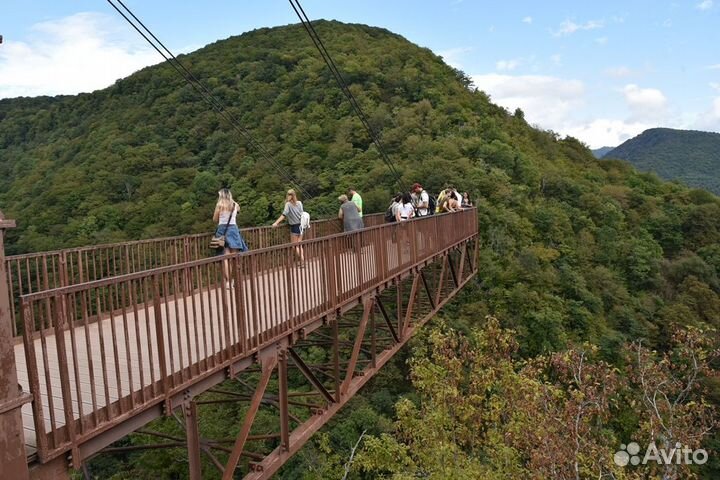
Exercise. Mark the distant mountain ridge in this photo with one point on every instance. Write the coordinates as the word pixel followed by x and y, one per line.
pixel 690 156
pixel 601 152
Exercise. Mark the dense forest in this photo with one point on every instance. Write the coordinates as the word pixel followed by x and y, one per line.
pixel 598 287
pixel 689 156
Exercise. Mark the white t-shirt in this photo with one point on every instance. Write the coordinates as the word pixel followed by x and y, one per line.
pixel 406 211
pixel 422 198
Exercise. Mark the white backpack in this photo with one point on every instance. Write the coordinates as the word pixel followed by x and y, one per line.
pixel 304 221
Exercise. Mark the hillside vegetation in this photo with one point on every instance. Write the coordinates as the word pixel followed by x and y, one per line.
pixel 574 251
pixel 689 156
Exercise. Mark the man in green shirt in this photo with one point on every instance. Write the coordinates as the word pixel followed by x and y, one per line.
pixel 356 199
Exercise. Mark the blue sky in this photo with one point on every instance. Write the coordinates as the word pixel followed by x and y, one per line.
pixel 600 71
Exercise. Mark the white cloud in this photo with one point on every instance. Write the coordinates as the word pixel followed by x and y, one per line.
pixel 568 27
pixel 713 67
pixel 507 65
pixel 601 40
pixel 556 59
pixel 704 5
pixel 618 72
pixel 605 132
pixel 79 53
pixel 557 104
pixel 527 20
pixel 710 119
pixel 644 103
pixel 454 56
pixel 715 86
pixel 545 100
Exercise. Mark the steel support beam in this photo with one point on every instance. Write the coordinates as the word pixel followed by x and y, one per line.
pixel 13 458
pixel 275 459
pixel 302 366
pixel 388 322
pixel 192 434
pixel 268 367
pixel 367 307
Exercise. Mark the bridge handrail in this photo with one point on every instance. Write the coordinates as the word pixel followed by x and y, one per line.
pixel 269 297
pixel 190 264
pixel 40 271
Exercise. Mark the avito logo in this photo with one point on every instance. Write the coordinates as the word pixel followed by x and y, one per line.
pixel 679 455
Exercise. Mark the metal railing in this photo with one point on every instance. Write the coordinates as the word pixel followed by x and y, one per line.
pixel 100 352
pixel 41 271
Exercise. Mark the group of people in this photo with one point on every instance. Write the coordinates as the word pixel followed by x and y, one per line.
pixel 225 215
pixel 419 203
pixel 405 206
pixel 226 210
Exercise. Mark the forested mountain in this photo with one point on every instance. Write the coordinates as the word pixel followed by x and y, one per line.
pixel 601 152
pixel 687 155
pixel 579 257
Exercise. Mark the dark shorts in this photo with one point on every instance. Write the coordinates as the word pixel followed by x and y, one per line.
pixel 295 229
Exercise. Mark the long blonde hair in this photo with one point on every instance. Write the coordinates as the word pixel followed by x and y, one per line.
pixel 225 201
pixel 294 199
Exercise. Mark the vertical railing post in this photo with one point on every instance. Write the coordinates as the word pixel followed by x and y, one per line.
pixel 332 271
pixel 64 276
pixel 160 340
pixel 13 460
pixel 61 321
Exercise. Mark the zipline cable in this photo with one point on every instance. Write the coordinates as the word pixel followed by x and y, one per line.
pixel 206 94
pixel 297 7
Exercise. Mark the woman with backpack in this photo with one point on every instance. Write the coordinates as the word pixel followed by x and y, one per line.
pixel 293 213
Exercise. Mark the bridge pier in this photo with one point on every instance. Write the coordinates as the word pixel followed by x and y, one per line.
pixel 13 458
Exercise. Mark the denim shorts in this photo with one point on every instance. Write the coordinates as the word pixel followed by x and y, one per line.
pixel 295 229
pixel 233 237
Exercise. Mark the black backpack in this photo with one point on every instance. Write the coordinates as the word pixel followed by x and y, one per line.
pixel 389 217
pixel 432 204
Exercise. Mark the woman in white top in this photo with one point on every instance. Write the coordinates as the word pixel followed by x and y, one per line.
pixel 225 215
pixel 406 210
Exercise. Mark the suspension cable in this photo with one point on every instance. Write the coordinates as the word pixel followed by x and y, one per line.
pixel 297 7
pixel 200 88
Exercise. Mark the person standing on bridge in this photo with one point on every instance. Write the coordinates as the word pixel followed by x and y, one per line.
pixel 226 210
pixel 406 211
pixel 349 214
pixel 293 214
pixel 356 199
pixel 421 200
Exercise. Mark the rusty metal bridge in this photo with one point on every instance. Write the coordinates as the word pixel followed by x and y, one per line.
pixel 96 342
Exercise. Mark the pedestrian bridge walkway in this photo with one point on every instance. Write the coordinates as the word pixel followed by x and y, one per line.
pixel 110 337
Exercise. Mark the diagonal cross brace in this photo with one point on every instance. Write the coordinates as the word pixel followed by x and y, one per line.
pixel 267 369
pixel 302 366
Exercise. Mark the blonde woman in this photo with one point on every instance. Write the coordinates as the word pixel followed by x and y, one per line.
pixel 293 214
pixel 225 216
pixel 226 210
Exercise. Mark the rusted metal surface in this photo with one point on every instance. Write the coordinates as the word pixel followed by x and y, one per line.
pixel 13 461
pixel 105 356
